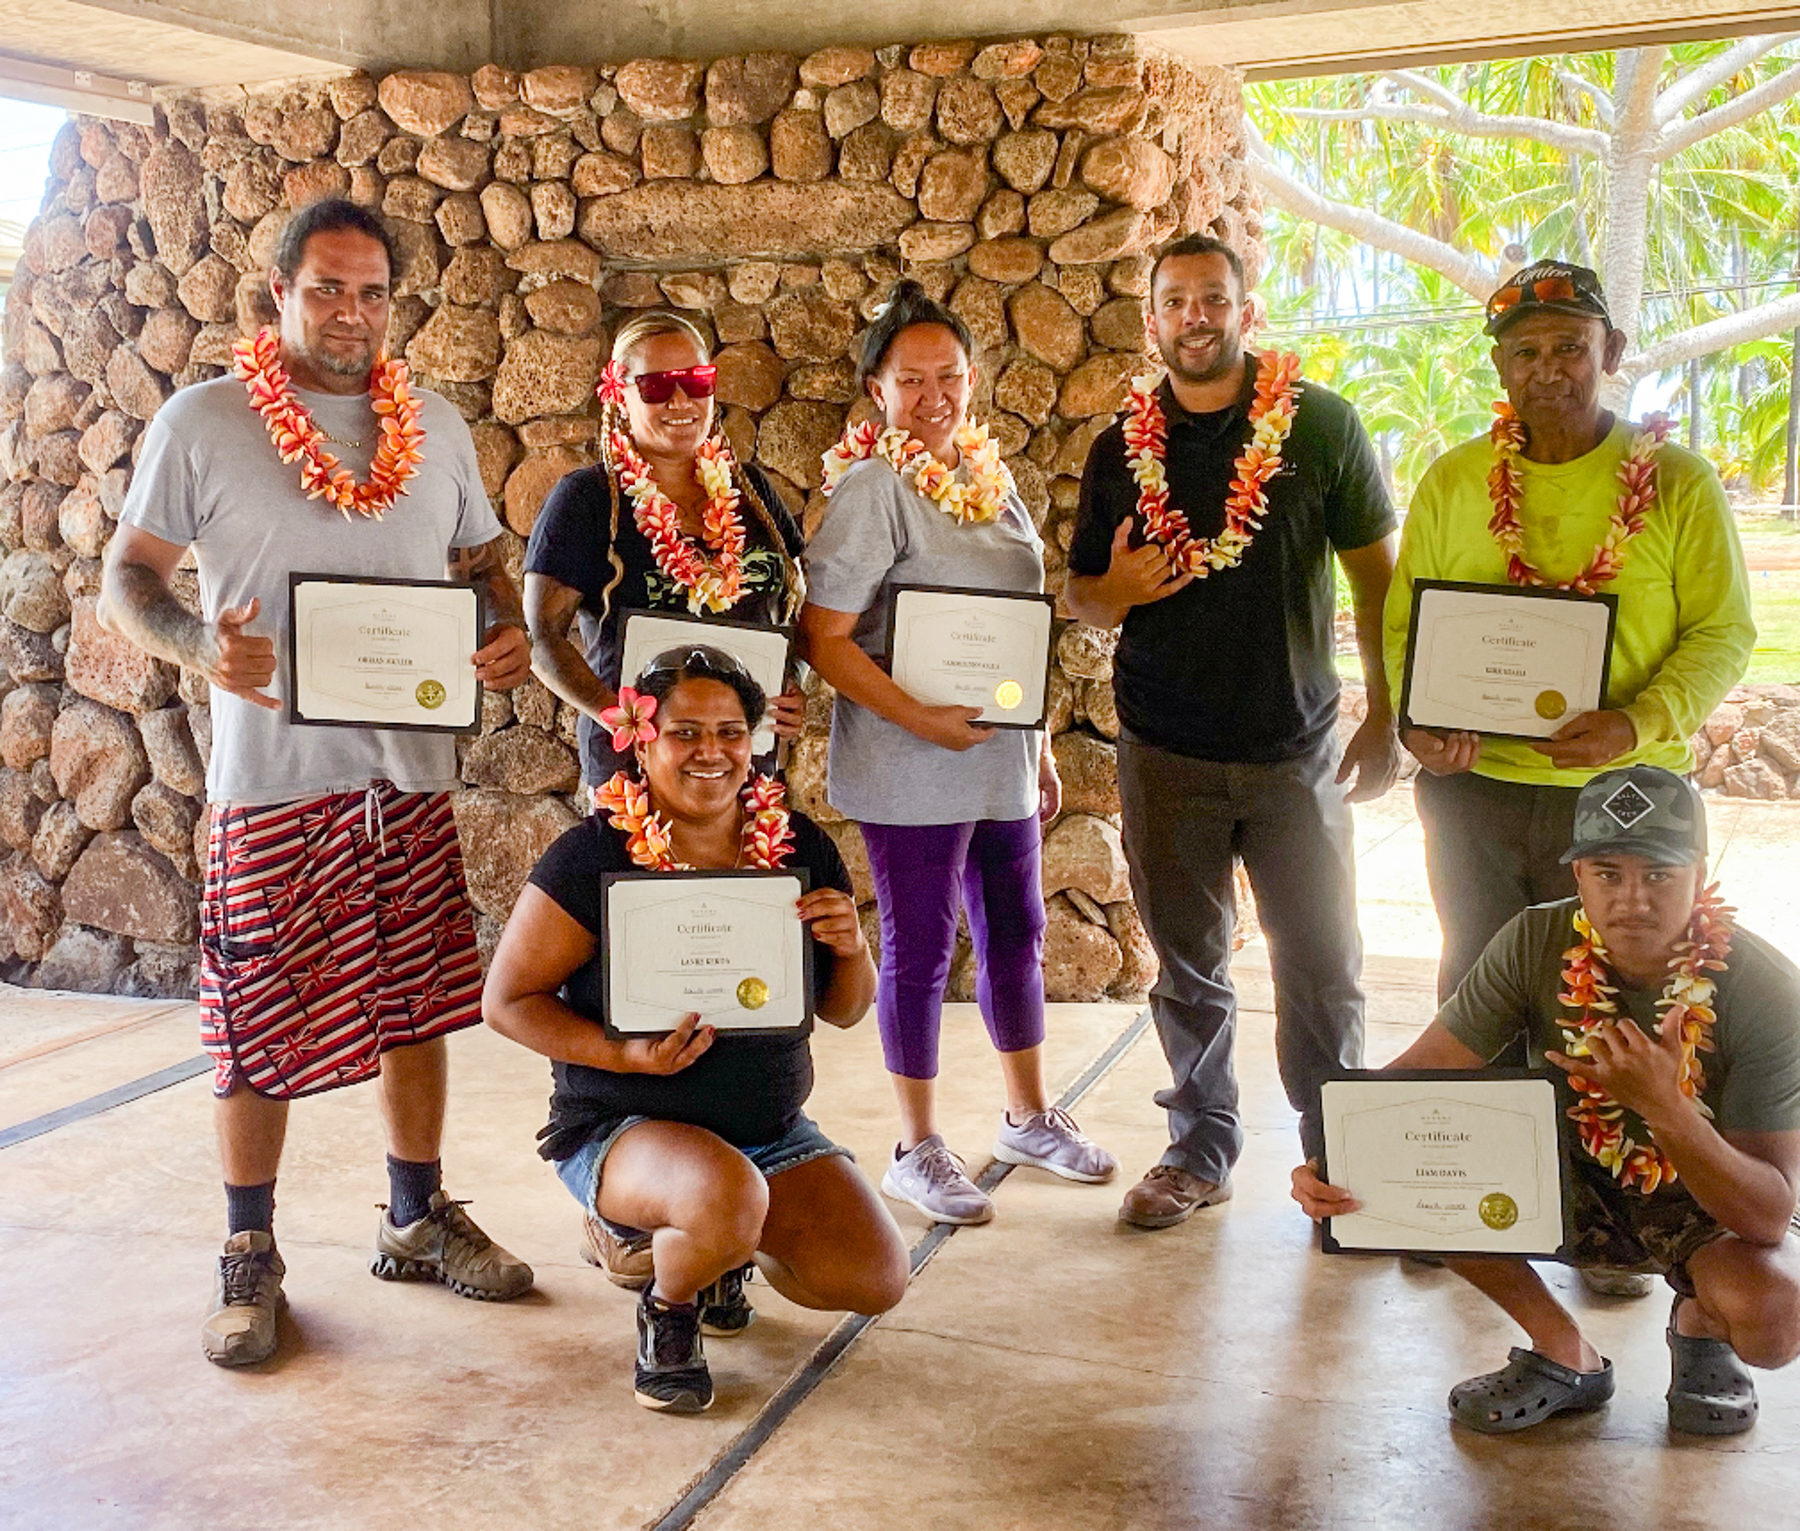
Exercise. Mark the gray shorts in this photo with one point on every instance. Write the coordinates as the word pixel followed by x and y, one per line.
pixel 801 1143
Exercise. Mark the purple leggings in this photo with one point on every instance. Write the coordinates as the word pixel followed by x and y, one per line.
pixel 923 873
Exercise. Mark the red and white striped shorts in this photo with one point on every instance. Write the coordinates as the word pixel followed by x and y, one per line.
pixel 332 929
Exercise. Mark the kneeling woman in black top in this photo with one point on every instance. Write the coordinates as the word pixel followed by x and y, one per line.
pixel 697 1137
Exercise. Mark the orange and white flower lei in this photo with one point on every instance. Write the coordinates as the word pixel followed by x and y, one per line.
pixel 257 364
pixel 765 842
pixel 1637 494
pixel 980 498
pixel 1146 445
pixel 1686 1000
pixel 713 583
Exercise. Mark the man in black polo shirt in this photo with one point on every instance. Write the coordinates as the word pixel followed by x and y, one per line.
pixel 1208 522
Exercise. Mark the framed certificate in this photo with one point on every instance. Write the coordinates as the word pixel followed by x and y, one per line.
pixel 1446 1161
pixel 1497 660
pixel 766 652
pixel 383 653
pixel 973 648
pixel 726 944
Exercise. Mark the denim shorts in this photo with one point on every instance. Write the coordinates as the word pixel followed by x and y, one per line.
pixel 800 1144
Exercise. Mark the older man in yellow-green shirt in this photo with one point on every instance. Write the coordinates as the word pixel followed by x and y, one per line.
pixel 1498 813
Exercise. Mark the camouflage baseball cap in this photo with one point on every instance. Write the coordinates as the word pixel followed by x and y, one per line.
pixel 1551 286
pixel 1640 811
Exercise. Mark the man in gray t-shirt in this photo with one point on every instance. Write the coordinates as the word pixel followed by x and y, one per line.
pixel 337 941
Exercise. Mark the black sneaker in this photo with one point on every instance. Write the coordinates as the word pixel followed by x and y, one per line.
pixel 724 1309
pixel 671 1365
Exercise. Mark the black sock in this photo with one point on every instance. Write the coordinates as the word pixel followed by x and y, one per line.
pixel 250 1208
pixel 410 1189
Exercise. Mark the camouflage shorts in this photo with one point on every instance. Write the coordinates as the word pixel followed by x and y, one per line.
pixel 1656 1234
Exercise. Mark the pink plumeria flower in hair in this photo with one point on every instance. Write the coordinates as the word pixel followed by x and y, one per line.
pixel 612 390
pixel 630 721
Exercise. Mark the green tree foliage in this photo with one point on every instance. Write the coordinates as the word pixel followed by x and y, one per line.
pixel 1399 201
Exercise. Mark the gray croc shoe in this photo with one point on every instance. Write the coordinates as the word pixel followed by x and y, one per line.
pixel 1710 1389
pixel 1526 1392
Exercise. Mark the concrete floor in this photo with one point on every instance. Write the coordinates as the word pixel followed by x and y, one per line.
pixel 1051 1370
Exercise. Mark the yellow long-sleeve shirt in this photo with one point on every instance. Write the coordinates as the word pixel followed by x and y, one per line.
pixel 1684 631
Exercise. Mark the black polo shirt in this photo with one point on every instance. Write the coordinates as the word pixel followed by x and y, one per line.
pixel 1238 666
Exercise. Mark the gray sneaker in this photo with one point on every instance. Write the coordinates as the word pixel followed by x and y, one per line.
pixel 445 1245
pixel 1615 1281
pixel 246 1297
pixel 931 1178
pixel 1050 1140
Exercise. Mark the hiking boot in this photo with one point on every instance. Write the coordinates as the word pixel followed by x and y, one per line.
pixel 1616 1281
pixel 931 1178
pixel 671 1363
pixel 621 1253
pixel 1168 1195
pixel 246 1297
pixel 724 1309
pixel 1050 1140
pixel 445 1245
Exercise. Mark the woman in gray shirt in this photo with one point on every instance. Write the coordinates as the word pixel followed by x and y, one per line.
pixel 949 811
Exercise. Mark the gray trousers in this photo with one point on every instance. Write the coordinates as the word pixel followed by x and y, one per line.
pixel 1185 820
pixel 1492 848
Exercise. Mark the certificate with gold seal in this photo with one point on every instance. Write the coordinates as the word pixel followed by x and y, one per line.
pixel 1494 659
pixel 383 653
pixel 728 945
pixel 1446 1161
pixel 973 648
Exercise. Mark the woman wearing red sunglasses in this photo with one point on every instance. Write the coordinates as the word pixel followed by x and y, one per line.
pixel 667 520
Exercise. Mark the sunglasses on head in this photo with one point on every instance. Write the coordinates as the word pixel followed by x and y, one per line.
pixel 701 657
pixel 1549 289
pixel 659 387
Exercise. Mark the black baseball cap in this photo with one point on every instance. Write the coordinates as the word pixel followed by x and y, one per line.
pixel 1640 811
pixel 1549 286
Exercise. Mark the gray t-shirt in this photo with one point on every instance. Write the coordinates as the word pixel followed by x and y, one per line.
pixel 209 476
pixel 880 532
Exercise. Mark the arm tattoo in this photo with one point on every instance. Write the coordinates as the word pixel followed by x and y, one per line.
pixel 144 609
pixel 485 568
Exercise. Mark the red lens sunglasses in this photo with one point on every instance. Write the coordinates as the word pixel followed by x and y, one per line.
pixel 659 387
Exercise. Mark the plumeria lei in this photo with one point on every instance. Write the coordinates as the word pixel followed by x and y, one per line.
pixel 632 721
pixel 766 840
pixel 1637 494
pixel 714 578
pixel 257 364
pixel 1146 447
pixel 978 498
pixel 1686 1001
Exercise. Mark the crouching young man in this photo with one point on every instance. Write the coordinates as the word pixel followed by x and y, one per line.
pixel 1679 1042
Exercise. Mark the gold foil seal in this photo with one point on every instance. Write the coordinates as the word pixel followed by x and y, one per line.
pixel 1008 694
pixel 1551 705
pixel 752 994
pixel 429 694
pixel 1498 1210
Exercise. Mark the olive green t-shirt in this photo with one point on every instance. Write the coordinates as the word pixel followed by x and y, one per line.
pixel 1753 1073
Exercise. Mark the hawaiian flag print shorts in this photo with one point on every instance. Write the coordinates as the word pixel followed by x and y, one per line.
pixel 332 929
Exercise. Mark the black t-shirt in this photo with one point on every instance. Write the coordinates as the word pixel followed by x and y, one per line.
pixel 571 541
pixel 1238 666
pixel 748 1090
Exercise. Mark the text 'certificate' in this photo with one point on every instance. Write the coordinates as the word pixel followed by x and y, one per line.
pixel 1495 660
pixel 1446 1162
pixel 973 648
pixel 369 653
pixel 728 945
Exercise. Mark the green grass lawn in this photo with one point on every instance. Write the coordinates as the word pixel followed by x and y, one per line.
pixel 1774 602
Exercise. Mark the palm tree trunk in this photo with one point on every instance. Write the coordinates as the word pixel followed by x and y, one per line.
pixel 1790 479
pixel 1696 403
